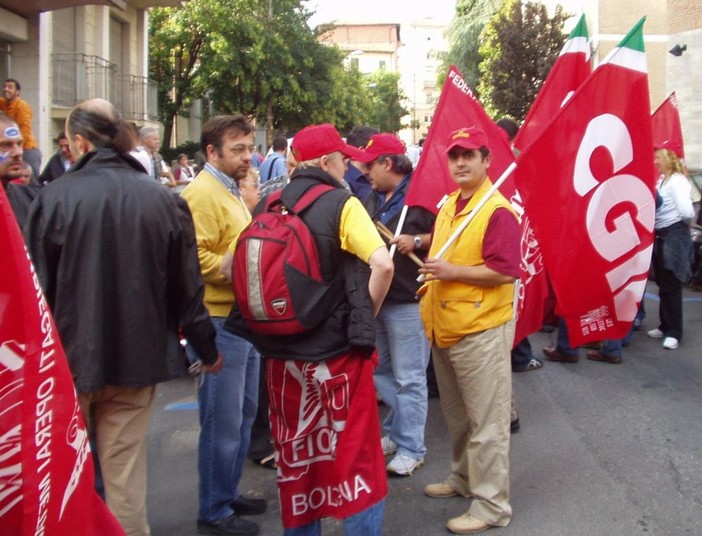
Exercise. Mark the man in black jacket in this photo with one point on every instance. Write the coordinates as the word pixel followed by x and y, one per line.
pixel 117 261
pixel 11 167
pixel 59 162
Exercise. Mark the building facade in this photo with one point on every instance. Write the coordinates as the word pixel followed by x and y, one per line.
pixel 74 52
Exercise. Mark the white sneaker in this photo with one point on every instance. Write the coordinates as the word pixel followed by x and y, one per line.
pixel 404 465
pixel 655 334
pixel 388 445
pixel 670 343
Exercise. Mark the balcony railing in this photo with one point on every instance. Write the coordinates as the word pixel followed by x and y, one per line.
pixel 77 77
pixel 137 98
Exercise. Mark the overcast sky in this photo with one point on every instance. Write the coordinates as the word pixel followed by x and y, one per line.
pixel 381 10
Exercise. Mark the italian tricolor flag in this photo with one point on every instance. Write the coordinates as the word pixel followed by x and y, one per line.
pixel 592 207
pixel 569 71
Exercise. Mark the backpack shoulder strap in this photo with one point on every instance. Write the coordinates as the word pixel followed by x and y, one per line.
pixel 310 196
pixel 272 200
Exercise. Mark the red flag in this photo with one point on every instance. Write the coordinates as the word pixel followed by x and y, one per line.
pixel 593 212
pixel 457 108
pixel 46 470
pixel 569 71
pixel 665 123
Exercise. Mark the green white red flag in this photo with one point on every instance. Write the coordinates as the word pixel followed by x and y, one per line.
pixel 593 211
pixel 457 108
pixel 572 67
pixel 570 70
pixel 46 469
pixel 665 123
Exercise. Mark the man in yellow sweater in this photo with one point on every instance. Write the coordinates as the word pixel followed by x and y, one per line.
pixel 467 313
pixel 227 401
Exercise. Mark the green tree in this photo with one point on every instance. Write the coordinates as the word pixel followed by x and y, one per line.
pixel 518 46
pixel 387 101
pixel 464 39
pixel 246 57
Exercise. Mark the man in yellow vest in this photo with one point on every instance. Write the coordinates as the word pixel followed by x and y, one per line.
pixel 466 307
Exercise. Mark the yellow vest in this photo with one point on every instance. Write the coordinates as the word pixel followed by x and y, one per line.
pixel 451 310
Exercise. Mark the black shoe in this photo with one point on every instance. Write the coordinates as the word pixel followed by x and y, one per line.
pixel 244 506
pixel 229 526
pixel 514 426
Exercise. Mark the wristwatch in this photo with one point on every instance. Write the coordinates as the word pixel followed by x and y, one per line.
pixel 417 242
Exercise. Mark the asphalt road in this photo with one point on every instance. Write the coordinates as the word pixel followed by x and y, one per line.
pixel 603 450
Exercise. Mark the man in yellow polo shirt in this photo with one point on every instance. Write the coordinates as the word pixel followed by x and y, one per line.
pixel 227 401
pixel 466 308
pixel 21 113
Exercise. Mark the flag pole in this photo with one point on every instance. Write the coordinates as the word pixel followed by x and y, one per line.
pixel 398 230
pixel 505 175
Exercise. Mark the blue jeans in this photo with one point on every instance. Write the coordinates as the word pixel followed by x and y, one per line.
pixel 366 523
pixel 562 342
pixel 522 355
pixel 228 402
pixel 401 376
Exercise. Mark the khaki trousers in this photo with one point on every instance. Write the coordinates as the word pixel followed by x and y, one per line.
pixel 120 418
pixel 475 385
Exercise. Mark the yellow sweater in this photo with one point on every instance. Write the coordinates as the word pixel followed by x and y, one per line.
pixel 451 310
pixel 219 217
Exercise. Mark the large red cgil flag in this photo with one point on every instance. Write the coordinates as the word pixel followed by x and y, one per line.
pixel 457 108
pixel 594 211
pixel 46 469
pixel 665 123
pixel 570 70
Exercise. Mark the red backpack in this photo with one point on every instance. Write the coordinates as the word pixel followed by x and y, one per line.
pixel 276 273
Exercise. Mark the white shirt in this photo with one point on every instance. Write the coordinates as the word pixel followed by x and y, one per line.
pixel 677 201
pixel 143 157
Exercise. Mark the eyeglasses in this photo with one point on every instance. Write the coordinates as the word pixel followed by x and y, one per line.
pixel 240 149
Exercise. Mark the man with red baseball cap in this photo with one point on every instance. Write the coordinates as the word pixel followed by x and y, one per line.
pixel 321 381
pixel 466 307
pixel 403 349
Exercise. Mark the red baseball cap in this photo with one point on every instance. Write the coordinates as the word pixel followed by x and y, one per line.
pixel 315 141
pixel 467 138
pixel 670 145
pixel 381 144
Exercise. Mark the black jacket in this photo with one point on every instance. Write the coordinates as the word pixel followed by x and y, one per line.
pixel 117 260
pixel 21 197
pixel 418 221
pixel 52 170
pixel 351 323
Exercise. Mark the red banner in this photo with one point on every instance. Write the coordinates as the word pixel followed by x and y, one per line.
pixel 46 470
pixel 325 426
pixel 593 209
pixel 457 108
pixel 569 71
pixel 665 123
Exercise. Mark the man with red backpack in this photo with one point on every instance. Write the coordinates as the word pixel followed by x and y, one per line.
pixel 324 416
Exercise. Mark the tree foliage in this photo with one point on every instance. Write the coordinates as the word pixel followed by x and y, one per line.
pixel 464 38
pixel 269 65
pixel 518 46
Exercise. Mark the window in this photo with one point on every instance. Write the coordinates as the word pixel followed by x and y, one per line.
pixel 354 63
pixel 381 64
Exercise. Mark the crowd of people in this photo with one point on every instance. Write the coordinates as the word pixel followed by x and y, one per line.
pixel 131 269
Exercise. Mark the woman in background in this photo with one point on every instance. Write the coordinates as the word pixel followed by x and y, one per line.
pixel 672 250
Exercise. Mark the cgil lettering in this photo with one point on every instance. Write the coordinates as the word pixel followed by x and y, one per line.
pixel 610 132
